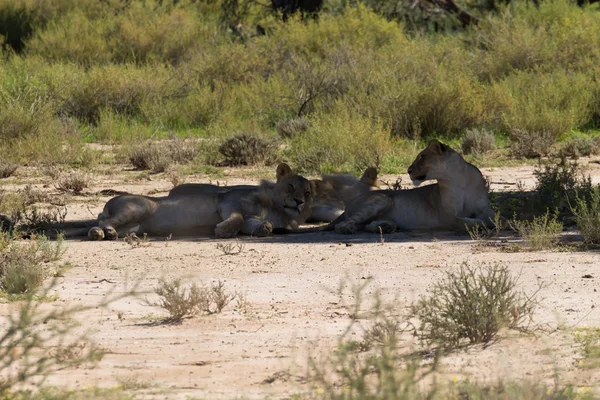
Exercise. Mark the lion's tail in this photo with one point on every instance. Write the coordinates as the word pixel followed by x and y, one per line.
pixel 329 227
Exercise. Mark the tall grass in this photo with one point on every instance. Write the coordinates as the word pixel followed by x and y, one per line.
pixel 121 72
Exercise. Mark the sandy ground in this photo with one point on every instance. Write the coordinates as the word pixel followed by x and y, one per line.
pixel 292 307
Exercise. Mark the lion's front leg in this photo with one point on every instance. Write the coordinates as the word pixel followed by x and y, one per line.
pixel 230 226
pixel 257 227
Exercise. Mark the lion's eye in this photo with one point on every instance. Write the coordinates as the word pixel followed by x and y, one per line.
pixel 307 193
pixel 291 187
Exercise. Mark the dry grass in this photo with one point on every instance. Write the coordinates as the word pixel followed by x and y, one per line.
pixel 7 169
pixel 73 182
pixel 180 302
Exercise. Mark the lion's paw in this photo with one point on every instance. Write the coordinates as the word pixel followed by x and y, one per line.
pixel 111 233
pixel 96 233
pixel 345 228
pixel 382 227
pixel 223 232
pixel 264 230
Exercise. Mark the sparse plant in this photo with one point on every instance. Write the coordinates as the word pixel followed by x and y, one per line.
pixel 542 233
pixel 587 216
pixel 134 241
pixel 149 156
pixel 290 128
pixel 23 270
pixel 472 305
pixel 558 187
pixel 242 305
pixel 579 146
pixel 230 248
pixel 246 149
pixel 7 168
pixel 477 141
pixel 24 355
pixel 220 297
pixel 589 341
pixel 176 177
pixel 181 302
pixel 73 182
pixel 531 144
pixel 484 233
pixel 160 156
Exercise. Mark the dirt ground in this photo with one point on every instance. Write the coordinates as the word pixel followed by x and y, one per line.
pixel 290 284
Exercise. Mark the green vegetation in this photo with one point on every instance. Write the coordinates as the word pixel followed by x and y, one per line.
pixel 337 92
pixel 386 364
pixel 589 341
pixel 472 305
pixel 24 264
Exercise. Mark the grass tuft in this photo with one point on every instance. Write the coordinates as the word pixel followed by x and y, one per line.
pixel 472 305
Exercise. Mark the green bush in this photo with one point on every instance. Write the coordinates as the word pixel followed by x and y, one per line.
pixel 472 305
pixel 340 140
pixel 542 233
pixel 477 141
pixel 587 214
pixel 544 107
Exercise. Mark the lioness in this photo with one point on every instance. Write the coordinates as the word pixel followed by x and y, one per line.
pixel 331 192
pixel 458 200
pixel 284 204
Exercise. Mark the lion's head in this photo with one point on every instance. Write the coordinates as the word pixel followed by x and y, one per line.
pixel 436 161
pixel 293 192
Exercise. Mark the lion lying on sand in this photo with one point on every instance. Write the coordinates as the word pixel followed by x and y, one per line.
pixel 458 200
pixel 284 204
pixel 331 193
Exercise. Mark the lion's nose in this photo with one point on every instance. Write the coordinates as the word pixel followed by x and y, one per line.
pixel 299 202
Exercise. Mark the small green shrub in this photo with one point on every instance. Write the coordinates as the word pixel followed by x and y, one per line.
pixel 531 144
pixel 246 149
pixel 589 341
pixel 149 156
pixel 23 270
pixel 542 233
pixel 159 156
pixel 477 141
pixel 558 186
pixel 587 214
pixel 472 304
pixel 290 128
pixel 579 146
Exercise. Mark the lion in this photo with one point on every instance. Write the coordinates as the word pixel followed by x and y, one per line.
pixel 334 191
pixel 284 204
pixel 331 193
pixel 457 202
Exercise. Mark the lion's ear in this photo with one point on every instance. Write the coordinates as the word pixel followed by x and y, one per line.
pixel 437 147
pixel 282 171
pixel 369 177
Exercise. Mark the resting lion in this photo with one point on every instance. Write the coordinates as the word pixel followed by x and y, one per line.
pixel 331 192
pixel 458 200
pixel 284 204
